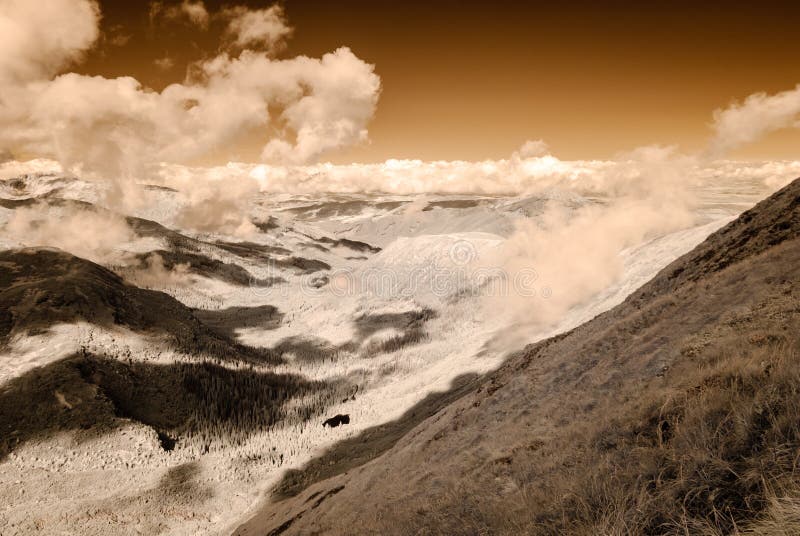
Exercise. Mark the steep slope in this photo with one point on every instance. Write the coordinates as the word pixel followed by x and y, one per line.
pixel 42 287
pixel 674 412
pixel 145 402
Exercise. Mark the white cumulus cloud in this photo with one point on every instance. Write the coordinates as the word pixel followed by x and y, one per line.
pixel 757 115
pixel 300 107
pixel 263 29
pixel 39 38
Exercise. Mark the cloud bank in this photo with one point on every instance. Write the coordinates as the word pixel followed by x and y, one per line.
pixel 510 176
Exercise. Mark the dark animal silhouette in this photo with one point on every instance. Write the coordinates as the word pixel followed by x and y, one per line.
pixel 336 420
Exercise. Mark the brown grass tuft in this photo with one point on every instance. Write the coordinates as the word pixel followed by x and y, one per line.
pixel 717 457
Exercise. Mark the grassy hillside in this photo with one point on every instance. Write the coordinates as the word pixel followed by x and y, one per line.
pixel 674 413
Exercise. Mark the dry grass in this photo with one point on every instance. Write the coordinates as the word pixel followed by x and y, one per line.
pixel 677 412
pixel 716 456
pixel 707 460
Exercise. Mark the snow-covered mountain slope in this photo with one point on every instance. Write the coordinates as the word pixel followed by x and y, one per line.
pixel 293 310
pixel 672 413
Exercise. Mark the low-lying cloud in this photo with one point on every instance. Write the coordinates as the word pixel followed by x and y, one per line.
pixel 215 203
pixel 576 251
pixel 93 235
pixel 510 176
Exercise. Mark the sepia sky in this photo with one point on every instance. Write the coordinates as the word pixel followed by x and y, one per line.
pixel 473 80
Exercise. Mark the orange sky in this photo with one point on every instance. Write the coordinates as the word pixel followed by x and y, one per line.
pixel 474 80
